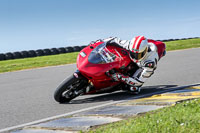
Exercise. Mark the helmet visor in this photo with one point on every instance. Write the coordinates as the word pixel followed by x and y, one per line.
pixel 138 56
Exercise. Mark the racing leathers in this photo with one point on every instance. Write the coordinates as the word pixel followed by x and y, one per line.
pixel 146 66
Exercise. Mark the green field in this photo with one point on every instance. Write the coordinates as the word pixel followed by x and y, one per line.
pixel 42 61
pixel 183 44
pixel 181 118
pixel 68 58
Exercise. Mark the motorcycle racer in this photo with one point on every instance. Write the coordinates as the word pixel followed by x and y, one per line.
pixel 144 53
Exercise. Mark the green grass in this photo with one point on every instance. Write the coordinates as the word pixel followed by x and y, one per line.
pixel 42 61
pixel 182 44
pixel 181 118
pixel 68 58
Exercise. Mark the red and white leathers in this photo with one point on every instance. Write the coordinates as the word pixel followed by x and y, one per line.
pixel 146 66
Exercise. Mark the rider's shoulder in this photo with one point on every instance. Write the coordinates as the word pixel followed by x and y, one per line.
pixel 152 47
pixel 152 55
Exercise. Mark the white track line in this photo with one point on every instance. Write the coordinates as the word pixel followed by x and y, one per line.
pixel 90 108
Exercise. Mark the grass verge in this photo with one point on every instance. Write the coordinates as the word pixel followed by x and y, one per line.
pixel 181 118
pixel 183 44
pixel 68 58
pixel 42 61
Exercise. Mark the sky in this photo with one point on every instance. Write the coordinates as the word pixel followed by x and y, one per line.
pixel 39 24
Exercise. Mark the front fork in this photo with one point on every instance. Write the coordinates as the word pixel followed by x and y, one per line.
pixel 77 74
pixel 88 84
pixel 83 88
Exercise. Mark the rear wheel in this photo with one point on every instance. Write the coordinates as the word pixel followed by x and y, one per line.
pixel 69 89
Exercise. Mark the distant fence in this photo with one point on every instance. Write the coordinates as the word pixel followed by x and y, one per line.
pixel 53 51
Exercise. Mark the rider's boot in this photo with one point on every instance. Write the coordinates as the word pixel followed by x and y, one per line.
pixel 135 90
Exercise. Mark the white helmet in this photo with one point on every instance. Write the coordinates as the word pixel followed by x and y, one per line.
pixel 138 48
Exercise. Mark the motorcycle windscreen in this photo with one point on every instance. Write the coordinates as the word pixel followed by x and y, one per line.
pixel 101 55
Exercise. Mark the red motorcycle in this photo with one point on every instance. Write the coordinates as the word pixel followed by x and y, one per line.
pixel 95 63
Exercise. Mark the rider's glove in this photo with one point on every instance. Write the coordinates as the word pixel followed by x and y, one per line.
pixel 119 77
pixel 122 78
pixel 116 77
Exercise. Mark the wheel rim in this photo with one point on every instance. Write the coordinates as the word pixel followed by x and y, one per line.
pixel 71 91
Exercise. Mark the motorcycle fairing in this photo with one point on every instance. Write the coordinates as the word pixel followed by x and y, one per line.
pixel 94 61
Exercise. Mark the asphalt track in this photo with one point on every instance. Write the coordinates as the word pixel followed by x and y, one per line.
pixel 27 96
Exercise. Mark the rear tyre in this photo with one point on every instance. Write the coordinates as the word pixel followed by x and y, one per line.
pixel 69 89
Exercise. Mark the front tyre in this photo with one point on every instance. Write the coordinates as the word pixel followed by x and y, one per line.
pixel 69 89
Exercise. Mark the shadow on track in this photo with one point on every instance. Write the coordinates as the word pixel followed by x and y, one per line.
pixel 146 91
pixel 122 95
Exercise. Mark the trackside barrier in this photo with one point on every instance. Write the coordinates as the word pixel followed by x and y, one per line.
pixel 54 51
pixel 9 56
pixel 2 56
pixel 39 52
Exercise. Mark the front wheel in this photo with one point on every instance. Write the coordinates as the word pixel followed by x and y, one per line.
pixel 69 89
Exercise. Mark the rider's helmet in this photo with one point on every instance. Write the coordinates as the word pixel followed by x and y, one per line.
pixel 138 48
